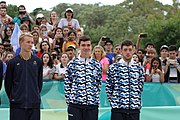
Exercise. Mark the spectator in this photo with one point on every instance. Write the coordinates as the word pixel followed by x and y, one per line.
pixel 22 13
pixel 164 56
pixel 3 4
pixel 71 53
pixel 11 24
pixel 141 53
pixel 82 84
pixel 124 85
pixel 4 16
pixel 44 47
pixel 24 28
pixel 117 50
pixel 43 35
pixel 108 45
pixel 100 55
pixel 48 68
pixel 62 66
pixel 54 20
pixel 151 53
pixel 135 57
pixel 36 45
pixel 149 46
pixel 79 33
pixel 65 32
pixel 1 48
pixel 7 33
pixel 7 46
pixel 156 71
pixel 39 18
pixel 36 28
pixel 58 40
pixel 26 20
pixel 71 41
pixel 117 58
pixel 9 56
pixel 55 57
pixel 173 66
pixel 49 27
pixel 69 20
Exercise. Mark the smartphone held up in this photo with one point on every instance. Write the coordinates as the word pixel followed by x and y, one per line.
pixel 143 35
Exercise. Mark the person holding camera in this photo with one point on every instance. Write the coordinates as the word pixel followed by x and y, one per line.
pixel 48 67
pixel 22 13
pixel 62 66
pixel 44 36
pixel 58 40
pixel 156 71
pixel 173 66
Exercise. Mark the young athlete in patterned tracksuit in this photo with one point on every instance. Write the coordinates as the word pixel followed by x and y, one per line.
pixel 124 85
pixel 82 84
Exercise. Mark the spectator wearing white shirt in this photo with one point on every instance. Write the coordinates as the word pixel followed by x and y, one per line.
pixel 61 67
pixel 69 20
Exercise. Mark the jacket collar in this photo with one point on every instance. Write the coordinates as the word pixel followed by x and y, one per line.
pixel 126 63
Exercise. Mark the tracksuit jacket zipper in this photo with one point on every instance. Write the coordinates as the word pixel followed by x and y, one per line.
pixel 129 86
pixel 26 95
pixel 85 83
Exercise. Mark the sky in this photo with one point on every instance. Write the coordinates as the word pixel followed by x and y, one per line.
pixel 48 4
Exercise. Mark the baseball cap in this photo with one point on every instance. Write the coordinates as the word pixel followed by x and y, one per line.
pixel 40 15
pixel 164 47
pixel 72 46
pixel 69 9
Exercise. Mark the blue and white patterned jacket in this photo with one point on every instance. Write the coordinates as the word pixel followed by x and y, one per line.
pixel 124 85
pixel 83 81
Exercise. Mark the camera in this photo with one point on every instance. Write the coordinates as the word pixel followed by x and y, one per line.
pixel 143 35
pixel 22 12
pixel 172 61
pixel 105 39
pixel 54 56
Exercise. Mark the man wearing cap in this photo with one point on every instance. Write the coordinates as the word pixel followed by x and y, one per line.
pixel 39 18
pixel 164 56
pixel 69 20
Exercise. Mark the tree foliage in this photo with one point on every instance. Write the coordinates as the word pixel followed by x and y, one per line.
pixel 124 21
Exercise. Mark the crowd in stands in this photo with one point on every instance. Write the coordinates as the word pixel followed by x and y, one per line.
pixel 56 43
